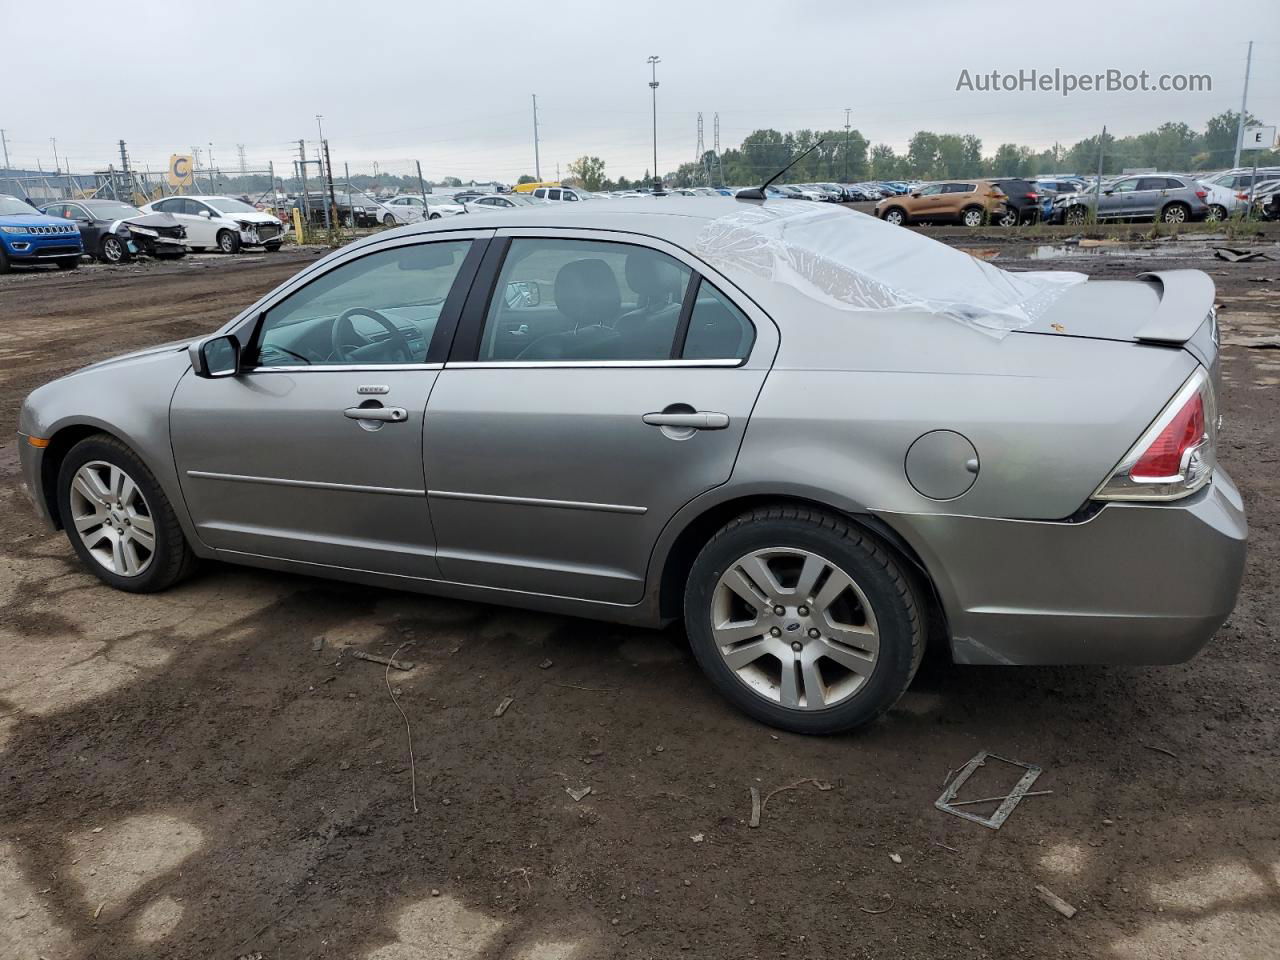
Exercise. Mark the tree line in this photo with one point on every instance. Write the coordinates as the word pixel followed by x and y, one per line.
pixel 849 157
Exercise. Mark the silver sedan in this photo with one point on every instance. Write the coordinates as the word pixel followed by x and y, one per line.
pixel 819 441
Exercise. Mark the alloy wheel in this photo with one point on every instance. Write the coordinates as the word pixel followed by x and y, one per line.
pixel 112 518
pixel 1175 214
pixel 972 218
pixel 112 250
pixel 794 628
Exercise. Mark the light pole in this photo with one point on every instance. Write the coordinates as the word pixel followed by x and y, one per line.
pixel 846 144
pixel 57 167
pixel 653 85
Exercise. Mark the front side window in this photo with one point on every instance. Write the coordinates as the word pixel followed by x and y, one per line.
pixel 1125 186
pixel 379 308
pixel 584 300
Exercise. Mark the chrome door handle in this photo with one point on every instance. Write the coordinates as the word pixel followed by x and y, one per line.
pixel 693 421
pixel 382 414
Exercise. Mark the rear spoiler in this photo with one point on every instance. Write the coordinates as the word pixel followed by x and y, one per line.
pixel 1186 297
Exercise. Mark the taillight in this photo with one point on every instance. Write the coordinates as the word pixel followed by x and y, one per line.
pixel 1033 196
pixel 1242 196
pixel 1176 455
pixel 1201 194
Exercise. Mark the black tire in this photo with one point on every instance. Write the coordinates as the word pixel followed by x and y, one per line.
pixel 170 256
pixel 389 220
pixel 112 250
pixel 171 559
pixel 228 242
pixel 1009 218
pixel 899 617
pixel 68 263
pixel 272 247
pixel 896 216
pixel 434 216
pixel 4 262
pixel 1217 213
pixel 973 216
pixel 1176 213
pixel 1076 216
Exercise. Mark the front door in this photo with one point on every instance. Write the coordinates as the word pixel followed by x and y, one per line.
pixel 570 425
pixel 314 452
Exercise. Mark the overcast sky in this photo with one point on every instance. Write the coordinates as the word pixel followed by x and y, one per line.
pixel 450 84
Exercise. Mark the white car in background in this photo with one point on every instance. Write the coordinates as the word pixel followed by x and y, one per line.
pixel 501 201
pixel 421 208
pixel 224 223
pixel 562 194
pixel 1228 192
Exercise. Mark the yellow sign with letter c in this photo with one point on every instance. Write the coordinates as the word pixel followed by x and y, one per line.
pixel 180 171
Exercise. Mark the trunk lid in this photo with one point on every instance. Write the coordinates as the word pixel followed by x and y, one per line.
pixel 1166 307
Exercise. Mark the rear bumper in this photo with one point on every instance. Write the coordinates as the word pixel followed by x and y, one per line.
pixel 1134 584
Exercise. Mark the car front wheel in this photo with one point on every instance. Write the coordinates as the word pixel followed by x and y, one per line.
pixel 895 216
pixel 113 250
pixel 803 621
pixel 119 521
pixel 228 242
pixel 1076 216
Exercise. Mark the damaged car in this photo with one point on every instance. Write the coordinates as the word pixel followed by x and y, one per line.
pixel 819 442
pixel 225 224
pixel 114 232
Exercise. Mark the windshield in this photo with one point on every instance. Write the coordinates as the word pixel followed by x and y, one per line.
pixel 227 205
pixel 858 262
pixel 13 207
pixel 112 210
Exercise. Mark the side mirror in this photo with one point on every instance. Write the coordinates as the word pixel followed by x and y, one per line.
pixel 206 214
pixel 523 293
pixel 1108 192
pixel 215 357
pixel 916 195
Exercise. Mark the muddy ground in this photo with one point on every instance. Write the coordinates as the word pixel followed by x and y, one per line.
pixel 201 774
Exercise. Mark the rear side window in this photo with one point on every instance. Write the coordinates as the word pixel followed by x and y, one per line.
pixel 959 188
pixel 717 329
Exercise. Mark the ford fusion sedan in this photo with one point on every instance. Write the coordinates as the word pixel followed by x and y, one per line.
pixel 28 236
pixel 819 441
pixel 224 224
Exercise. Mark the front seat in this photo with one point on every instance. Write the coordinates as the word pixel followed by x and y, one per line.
pixel 587 296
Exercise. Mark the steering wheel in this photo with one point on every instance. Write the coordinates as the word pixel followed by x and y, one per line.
pixel 344 332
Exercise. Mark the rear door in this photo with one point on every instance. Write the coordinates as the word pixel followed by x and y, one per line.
pixel 566 429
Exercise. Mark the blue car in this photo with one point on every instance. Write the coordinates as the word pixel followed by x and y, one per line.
pixel 29 236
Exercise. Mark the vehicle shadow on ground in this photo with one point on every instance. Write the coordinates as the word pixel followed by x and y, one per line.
pixel 208 772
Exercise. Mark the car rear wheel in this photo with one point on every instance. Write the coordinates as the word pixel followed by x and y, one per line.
pixel 1009 218
pixel 973 216
pixel 68 263
pixel 1217 212
pixel 112 250
pixel 1176 213
pixel 434 216
pixel 388 220
pixel 803 621
pixel 119 522
pixel 895 215
pixel 228 242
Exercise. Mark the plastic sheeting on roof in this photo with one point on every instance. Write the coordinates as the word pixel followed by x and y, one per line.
pixel 856 262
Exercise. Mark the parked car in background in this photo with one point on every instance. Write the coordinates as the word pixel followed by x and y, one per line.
pixel 969 202
pixel 778 464
pixel 502 201
pixel 113 231
pixel 222 223
pixel 1166 197
pixel 530 187
pixel 561 194
pixel 430 207
pixel 1022 201
pixel 29 236
pixel 465 196
pixel 1229 192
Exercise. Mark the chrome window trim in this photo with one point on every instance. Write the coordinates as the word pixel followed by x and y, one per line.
pixel 538 502
pixel 345 367
pixel 308 484
pixel 614 364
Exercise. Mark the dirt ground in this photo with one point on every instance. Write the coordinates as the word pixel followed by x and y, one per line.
pixel 202 774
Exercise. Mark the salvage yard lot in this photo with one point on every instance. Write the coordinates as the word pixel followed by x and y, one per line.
pixel 209 773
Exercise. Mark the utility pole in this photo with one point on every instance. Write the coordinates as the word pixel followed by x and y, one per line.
pixel 57 167
pixel 240 153
pixel 213 184
pixel 124 169
pixel 302 169
pixel 1097 189
pixel 4 141
pixel 333 200
pixel 702 147
pixel 715 126
pixel 195 174
pixel 1244 100
pixel 537 165
pixel 422 190
pixel 653 85
pixel 846 144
